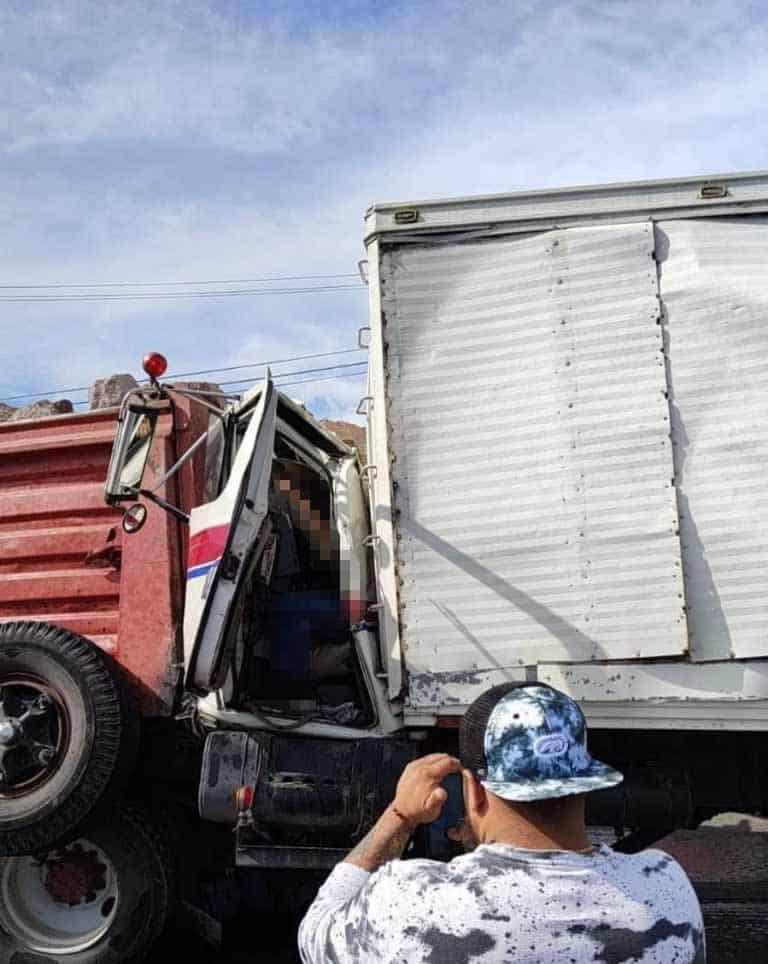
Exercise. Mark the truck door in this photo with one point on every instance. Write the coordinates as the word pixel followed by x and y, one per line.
pixel 714 288
pixel 223 536
pixel 521 412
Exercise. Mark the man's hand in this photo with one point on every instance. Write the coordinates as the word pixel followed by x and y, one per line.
pixel 419 797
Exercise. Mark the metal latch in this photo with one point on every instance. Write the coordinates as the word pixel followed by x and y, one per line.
pixel 406 216
pixel 709 192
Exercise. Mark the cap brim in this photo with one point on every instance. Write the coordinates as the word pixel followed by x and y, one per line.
pixel 598 776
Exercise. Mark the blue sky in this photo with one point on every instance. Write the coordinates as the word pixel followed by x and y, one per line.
pixel 192 141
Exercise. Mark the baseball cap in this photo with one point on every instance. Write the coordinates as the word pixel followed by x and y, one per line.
pixel 528 741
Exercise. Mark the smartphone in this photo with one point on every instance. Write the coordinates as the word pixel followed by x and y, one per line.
pixel 439 846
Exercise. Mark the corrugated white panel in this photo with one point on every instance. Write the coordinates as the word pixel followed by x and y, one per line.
pixel 714 285
pixel 535 514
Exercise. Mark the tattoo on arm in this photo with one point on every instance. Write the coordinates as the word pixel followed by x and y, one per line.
pixel 384 842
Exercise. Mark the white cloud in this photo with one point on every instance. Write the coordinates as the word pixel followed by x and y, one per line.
pixel 155 141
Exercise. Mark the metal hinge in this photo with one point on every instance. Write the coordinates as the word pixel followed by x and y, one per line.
pixel 229 566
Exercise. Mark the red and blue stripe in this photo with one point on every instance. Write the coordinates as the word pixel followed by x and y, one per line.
pixel 206 549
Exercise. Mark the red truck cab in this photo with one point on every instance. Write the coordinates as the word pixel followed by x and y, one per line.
pixel 221 581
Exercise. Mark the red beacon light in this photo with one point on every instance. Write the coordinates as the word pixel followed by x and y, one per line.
pixel 155 365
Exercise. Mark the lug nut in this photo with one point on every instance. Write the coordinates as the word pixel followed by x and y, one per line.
pixel 45 756
pixel 7 733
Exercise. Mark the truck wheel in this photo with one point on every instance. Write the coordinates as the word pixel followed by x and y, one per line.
pixel 67 735
pixel 102 899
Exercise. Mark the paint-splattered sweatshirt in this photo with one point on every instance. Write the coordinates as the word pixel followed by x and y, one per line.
pixel 501 904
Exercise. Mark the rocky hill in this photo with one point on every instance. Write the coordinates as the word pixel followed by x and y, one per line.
pixel 108 392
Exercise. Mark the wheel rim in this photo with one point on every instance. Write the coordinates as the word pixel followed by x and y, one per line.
pixel 34 733
pixel 62 903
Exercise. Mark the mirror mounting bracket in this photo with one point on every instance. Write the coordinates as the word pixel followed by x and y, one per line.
pixel 174 510
pixel 166 390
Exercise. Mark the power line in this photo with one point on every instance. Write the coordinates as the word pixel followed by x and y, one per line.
pixel 41 395
pixel 326 378
pixel 274 361
pixel 170 295
pixel 173 284
pixel 305 371
pixel 203 371
pixel 281 385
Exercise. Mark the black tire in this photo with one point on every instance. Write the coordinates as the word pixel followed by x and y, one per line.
pixel 144 869
pixel 95 729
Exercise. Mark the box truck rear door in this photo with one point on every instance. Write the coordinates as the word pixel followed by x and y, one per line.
pixel 714 287
pixel 223 536
pixel 533 502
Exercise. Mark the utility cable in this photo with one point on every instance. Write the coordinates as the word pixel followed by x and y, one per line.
pixel 281 385
pixel 169 295
pixel 174 284
pixel 202 371
pixel 305 371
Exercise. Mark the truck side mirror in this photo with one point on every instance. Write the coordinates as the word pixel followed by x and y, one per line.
pixel 129 453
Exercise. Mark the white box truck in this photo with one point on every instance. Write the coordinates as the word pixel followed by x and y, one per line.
pixel 567 415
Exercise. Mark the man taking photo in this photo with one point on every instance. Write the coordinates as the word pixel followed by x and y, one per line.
pixel 533 888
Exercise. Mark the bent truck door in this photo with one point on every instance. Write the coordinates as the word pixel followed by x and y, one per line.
pixel 222 537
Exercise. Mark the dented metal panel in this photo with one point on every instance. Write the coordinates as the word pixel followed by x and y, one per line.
pixel 678 681
pixel 380 490
pixel 671 695
pixel 532 472
pixel 457 688
pixel 668 696
pixel 714 287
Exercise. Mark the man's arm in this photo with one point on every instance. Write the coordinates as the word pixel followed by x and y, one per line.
pixel 335 926
pixel 385 841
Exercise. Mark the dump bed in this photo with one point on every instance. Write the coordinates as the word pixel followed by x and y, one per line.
pixel 567 413
pixel 64 558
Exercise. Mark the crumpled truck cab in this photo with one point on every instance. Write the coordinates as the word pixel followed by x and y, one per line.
pixel 278 612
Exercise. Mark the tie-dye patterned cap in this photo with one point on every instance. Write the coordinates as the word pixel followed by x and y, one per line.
pixel 535 746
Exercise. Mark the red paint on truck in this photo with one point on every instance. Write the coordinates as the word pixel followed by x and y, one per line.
pixel 64 558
